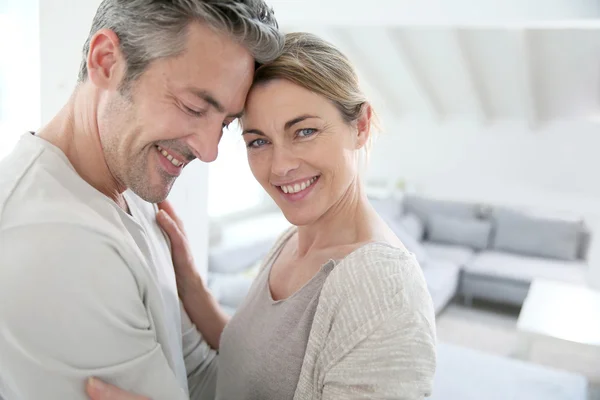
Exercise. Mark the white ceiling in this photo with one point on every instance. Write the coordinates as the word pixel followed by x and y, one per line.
pixel 419 12
pixel 535 60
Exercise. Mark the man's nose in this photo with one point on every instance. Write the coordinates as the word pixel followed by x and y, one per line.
pixel 205 143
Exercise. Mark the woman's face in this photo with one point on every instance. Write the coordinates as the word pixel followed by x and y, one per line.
pixel 300 149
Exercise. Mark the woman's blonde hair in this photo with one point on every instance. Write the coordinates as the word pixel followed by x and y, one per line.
pixel 318 66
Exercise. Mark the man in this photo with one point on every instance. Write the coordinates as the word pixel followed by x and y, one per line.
pixel 87 286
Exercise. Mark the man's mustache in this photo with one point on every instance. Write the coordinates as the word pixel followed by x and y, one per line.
pixel 178 147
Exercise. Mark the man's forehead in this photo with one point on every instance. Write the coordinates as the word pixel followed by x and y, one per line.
pixel 221 82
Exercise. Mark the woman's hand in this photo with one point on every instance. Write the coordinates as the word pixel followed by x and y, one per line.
pixel 183 261
pixel 202 308
pixel 98 390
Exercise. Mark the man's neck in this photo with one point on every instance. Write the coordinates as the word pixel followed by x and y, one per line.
pixel 74 130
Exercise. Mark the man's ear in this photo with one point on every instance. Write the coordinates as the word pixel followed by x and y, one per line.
pixel 105 61
pixel 363 125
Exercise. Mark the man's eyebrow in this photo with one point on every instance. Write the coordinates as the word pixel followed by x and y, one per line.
pixel 237 116
pixel 210 99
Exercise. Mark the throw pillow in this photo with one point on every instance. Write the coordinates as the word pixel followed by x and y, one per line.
pixel 468 232
pixel 425 207
pixel 532 235
pixel 387 207
pixel 413 225
pixel 407 239
pixel 410 242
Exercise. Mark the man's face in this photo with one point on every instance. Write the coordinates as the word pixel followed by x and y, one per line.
pixel 174 112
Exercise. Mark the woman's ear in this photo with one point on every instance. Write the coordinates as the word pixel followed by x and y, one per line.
pixel 363 125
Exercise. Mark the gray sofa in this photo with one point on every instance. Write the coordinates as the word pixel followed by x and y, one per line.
pixel 466 249
pixel 486 252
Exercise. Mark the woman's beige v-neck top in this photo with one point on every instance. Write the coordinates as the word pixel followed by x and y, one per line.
pixel 263 346
pixel 362 328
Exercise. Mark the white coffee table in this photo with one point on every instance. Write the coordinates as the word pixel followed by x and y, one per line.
pixel 561 311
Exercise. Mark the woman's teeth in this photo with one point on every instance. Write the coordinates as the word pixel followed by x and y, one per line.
pixel 169 157
pixel 298 187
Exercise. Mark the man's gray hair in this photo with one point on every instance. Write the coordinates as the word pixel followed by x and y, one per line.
pixel 152 29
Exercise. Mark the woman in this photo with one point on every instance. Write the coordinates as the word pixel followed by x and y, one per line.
pixel 340 308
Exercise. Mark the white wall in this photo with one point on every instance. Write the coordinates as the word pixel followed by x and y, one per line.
pixel 190 198
pixel 468 158
pixel 553 167
pixel 19 71
pixel 61 39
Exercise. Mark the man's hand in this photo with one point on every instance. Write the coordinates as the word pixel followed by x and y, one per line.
pixel 98 390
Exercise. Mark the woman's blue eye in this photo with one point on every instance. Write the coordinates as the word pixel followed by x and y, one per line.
pixel 306 132
pixel 257 143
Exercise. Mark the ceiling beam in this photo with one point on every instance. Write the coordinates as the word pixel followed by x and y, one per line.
pixel 527 79
pixel 484 112
pixel 406 54
pixel 372 80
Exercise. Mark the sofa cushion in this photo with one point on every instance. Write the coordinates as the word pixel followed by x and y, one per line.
pixel 586 241
pixel 239 257
pixel 413 225
pixel 407 239
pixel 459 255
pixel 466 374
pixel 528 234
pixel 442 281
pixel 525 269
pixel 425 207
pixel 229 289
pixel 387 207
pixel 413 246
pixel 469 232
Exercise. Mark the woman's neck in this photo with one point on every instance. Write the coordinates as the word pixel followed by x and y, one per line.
pixel 347 222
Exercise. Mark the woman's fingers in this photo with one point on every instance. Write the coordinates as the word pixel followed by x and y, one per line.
pixel 177 237
pixel 183 260
pixel 98 390
pixel 167 207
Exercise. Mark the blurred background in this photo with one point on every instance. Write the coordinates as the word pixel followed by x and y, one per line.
pixel 488 106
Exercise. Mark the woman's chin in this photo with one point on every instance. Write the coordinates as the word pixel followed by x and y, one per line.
pixel 298 217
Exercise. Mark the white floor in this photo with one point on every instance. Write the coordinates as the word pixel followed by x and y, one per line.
pixel 492 329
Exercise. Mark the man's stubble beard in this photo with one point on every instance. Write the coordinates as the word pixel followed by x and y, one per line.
pixel 131 169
